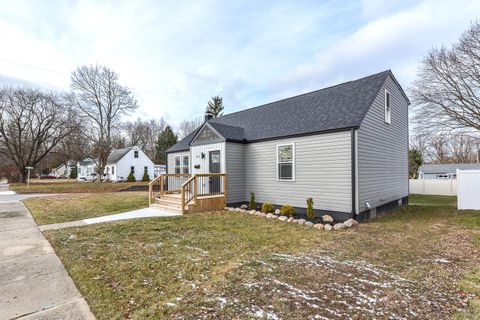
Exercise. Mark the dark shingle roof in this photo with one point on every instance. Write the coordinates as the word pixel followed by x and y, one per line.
pixel 118 154
pixel 341 106
pixel 448 168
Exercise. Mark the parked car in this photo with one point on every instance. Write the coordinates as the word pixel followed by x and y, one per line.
pixel 92 177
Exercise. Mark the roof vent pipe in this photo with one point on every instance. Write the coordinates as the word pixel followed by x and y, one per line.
pixel 208 116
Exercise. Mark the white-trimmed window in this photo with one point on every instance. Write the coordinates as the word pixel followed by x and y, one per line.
pixel 388 109
pixel 178 164
pixel 185 164
pixel 135 154
pixel 286 162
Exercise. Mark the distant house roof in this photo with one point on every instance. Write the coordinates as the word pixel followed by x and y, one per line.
pixel 339 107
pixel 118 154
pixel 86 162
pixel 448 168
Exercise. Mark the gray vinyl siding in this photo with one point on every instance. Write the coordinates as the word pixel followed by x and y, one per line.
pixel 235 168
pixel 322 171
pixel 383 150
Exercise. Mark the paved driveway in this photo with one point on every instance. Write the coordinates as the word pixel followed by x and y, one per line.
pixel 33 282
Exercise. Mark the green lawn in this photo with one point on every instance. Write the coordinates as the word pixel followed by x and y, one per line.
pixel 70 186
pixel 71 207
pixel 429 200
pixel 231 265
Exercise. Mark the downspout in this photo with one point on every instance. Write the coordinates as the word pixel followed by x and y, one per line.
pixel 354 173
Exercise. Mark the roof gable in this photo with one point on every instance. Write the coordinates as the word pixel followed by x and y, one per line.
pixel 118 154
pixel 207 134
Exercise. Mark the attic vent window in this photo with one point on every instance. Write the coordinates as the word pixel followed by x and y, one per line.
pixel 135 154
pixel 388 109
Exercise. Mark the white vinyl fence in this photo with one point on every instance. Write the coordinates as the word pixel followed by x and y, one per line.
pixel 468 189
pixel 441 187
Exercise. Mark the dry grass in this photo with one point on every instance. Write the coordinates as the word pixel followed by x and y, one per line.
pixel 71 186
pixel 417 263
pixel 71 207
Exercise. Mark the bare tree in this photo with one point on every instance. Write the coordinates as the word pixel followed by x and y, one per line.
pixel 188 126
pixel 32 123
pixel 102 102
pixel 144 133
pixel 447 91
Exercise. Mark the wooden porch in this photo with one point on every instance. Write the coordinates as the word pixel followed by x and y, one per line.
pixel 186 193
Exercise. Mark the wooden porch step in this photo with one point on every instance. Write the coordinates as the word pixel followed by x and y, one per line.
pixel 166 208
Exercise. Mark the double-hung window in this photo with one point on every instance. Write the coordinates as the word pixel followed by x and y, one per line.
pixel 388 109
pixel 178 165
pixel 132 170
pixel 185 164
pixel 135 154
pixel 286 162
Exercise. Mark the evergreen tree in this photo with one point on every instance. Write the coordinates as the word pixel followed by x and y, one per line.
pixel 165 140
pixel 415 160
pixel 216 106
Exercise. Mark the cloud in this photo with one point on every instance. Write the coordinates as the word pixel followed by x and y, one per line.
pixel 397 41
pixel 176 55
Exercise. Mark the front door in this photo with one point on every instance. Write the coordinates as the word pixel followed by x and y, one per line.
pixel 214 165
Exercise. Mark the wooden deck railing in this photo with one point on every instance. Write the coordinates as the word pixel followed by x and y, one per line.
pixel 166 183
pixel 191 188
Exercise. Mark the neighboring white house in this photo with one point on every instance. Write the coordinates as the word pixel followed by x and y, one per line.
pixel 444 171
pixel 131 159
pixel 86 169
pixel 63 171
pixel 159 169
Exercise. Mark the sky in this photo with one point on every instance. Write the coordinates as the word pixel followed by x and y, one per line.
pixel 176 55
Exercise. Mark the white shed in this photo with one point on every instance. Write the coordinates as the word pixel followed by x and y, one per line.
pixel 131 159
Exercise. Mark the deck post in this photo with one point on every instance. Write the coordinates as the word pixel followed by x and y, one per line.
pixel 161 185
pixel 195 189
pixel 149 195
pixel 225 188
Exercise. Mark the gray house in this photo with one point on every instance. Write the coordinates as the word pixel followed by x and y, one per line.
pixel 346 146
pixel 444 171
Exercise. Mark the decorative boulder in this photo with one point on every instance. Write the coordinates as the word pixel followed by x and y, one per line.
pixel 318 226
pixel 350 223
pixel 327 218
pixel 283 218
pixel 328 227
pixel 260 214
pixel 339 226
pixel 238 209
pixel 309 224
pixel 230 209
pixel 301 221
pixel 275 216
pixel 290 219
pixel 270 216
pixel 251 211
pixel 277 211
pixel 244 207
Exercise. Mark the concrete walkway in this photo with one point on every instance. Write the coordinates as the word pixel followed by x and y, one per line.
pixel 140 213
pixel 33 282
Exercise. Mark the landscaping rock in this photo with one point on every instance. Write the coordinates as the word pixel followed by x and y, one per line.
pixel 309 224
pixel 318 226
pixel 251 211
pixel 238 209
pixel 270 216
pixel 277 211
pixel 339 226
pixel 301 221
pixel 230 209
pixel 350 223
pixel 260 214
pixel 327 218
pixel 328 227
pixel 283 218
pixel 275 216
pixel 290 219
pixel 244 207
